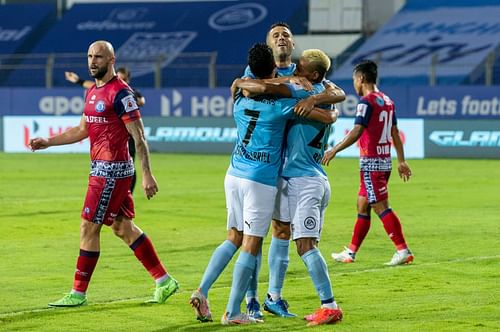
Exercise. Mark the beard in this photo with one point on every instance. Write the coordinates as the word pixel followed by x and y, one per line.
pixel 99 74
pixel 282 53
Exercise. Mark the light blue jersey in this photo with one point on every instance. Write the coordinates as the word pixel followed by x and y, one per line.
pixel 282 71
pixel 260 124
pixel 306 142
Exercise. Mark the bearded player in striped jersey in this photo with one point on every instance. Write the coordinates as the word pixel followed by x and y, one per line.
pixel 110 115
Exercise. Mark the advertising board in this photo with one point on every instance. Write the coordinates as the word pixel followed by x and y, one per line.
pixel 462 139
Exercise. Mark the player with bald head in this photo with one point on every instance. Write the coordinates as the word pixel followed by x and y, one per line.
pixel 110 115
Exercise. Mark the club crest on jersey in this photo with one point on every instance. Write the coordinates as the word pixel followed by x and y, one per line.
pixel 361 110
pixel 129 103
pixel 100 106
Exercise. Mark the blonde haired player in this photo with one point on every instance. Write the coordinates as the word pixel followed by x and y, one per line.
pixel 303 188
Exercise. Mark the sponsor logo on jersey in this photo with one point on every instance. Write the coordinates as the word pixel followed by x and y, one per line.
pixel 361 110
pixel 379 101
pixel 96 119
pixel 100 106
pixel 129 103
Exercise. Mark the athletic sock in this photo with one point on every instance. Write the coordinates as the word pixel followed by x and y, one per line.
pixel 146 254
pixel 361 228
pixel 330 305
pixel 274 296
pixel 316 266
pixel 254 282
pixel 278 264
pixel 393 228
pixel 243 270
pixel 221 256
pixel 85 265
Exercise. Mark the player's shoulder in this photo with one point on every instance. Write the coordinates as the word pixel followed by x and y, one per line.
pixel 386 98
pixel 116 84
pixel 287 101
pixel 380 99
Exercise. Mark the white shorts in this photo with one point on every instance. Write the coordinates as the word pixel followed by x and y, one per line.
pixel 307 201
pixel 281 208
pixel 249 205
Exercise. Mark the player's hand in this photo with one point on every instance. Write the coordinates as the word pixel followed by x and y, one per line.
pixel 404 171
pixel 304 107
pixel 71 76
pixel 328 156
pixel 38 143
pixel 234 88
pixel 304 82
pixel 149 185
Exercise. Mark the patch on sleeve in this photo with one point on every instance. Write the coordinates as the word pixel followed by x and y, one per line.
pixel 129 103
pixel 361 110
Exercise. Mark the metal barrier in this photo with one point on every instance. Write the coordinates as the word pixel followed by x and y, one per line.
pixel 198 69
pixel 33 69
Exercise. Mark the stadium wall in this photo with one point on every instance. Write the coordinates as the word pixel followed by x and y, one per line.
pixel 451 122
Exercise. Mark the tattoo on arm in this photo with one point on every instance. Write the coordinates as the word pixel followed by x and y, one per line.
pixel 136 129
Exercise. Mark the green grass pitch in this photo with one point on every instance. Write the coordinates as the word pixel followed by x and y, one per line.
pixel 450 211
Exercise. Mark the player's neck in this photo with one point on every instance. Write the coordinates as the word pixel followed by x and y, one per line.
pixel 369 88
pixel 105 79
pixel 283 62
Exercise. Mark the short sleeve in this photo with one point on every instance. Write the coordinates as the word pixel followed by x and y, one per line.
pixel 287 105
pixel 125 106
pixel 248 73
pixel 363 113
pixel 298 91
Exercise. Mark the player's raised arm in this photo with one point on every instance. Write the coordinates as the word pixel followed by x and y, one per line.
pixel 302 81
pixel 346 142
pixel 332 95
pixel 75 79
pixel 322 115
pixel 403 167
pixel 70 136
pixel 136 130
pixel 255 87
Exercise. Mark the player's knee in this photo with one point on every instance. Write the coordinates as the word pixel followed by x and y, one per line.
pixel 88 229
pixel 281 230
pixel 118 230
pixel 380 207
pixel 235 236
pixel 122 227
pixel 304 245
pixel 363 206
pixel 252 244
